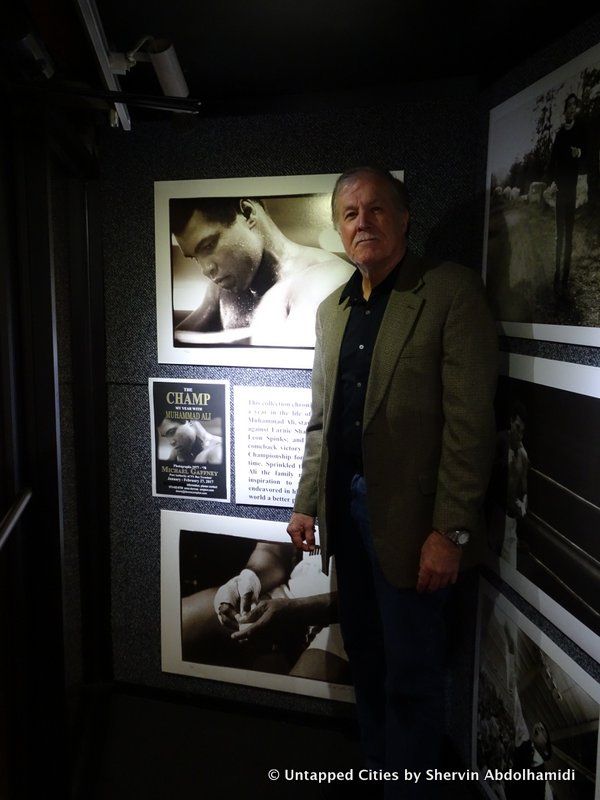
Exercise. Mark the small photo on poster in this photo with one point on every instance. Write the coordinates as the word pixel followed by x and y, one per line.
pixel 544 496
pixel 535 711
pixel 190 438
pixel 232 590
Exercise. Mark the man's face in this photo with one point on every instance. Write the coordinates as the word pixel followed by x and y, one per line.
pixel 181 435
pixel 227 254
pixel 571 110
pixel 370 223
pixel 517 429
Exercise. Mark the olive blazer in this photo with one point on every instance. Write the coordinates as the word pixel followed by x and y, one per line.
pixel 428 425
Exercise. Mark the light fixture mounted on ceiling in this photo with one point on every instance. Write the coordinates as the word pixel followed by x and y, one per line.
pixel 160 52
pixel 162 55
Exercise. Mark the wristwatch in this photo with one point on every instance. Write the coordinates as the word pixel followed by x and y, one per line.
pixel 459 536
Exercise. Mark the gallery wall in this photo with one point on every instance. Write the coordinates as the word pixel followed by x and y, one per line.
pixel 410 136
pixel 439 142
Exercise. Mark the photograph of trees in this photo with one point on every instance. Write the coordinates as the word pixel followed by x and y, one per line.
pixel 543 230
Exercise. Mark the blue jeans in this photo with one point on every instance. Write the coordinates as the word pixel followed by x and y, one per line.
pixel 396 643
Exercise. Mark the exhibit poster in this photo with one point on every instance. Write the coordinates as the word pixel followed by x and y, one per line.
pixel 269 427
pixel 190 438
pixel 535 711
pixel 231 590
pixel 544 499
pixel 542 238
pixel 241 266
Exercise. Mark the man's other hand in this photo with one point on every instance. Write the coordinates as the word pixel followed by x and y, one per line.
pixel 302 531
pixel 440 559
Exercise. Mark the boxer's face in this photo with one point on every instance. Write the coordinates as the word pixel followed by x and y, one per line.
pixel 229 255
pixel 181 435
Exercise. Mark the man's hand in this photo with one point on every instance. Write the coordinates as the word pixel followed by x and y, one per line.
pixel 440 559
pixel 236 597
pixel 269 616
pixel 302 531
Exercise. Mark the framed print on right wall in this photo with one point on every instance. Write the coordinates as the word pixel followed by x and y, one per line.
pixel 535 711
pixel 542 233
pixel 543 506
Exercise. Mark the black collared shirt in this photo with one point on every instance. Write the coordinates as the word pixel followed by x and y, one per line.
pixel 356 353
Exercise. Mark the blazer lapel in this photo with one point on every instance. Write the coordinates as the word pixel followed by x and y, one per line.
pixel 398 321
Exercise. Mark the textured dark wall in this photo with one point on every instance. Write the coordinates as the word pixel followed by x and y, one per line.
pixel 440 142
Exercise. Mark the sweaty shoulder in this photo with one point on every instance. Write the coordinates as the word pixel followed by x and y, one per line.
pixel 321 262
pixel 328 264
pixel 317 278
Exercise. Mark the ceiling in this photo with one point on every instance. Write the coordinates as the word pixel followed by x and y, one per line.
pixel 237 51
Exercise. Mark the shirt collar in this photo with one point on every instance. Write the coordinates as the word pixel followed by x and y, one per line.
pixel 352 291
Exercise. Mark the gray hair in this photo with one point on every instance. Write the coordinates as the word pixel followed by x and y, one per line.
pixel 399 190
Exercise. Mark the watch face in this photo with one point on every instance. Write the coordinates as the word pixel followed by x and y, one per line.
pixel 459 537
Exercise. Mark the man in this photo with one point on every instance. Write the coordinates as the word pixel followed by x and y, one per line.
pixel 397 457
pixel 191 443
pixel 265 288
pixel 566 158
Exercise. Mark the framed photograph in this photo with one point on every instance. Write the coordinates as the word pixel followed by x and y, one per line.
pixel 189 423
pixel 241 266
pixel 544 499
pixel 541 254
pixel 230 593
pixel 270 426
pixel 535 711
